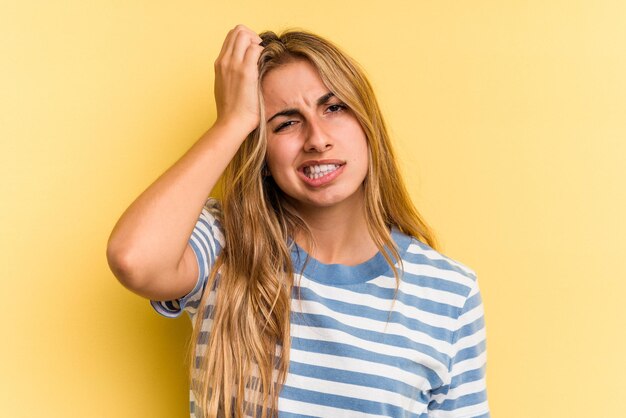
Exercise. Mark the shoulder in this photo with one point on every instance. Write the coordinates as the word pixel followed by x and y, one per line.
pixel 213 208
pixel 211 214
pixel 429 255
pixel 208 233
pixel 441 272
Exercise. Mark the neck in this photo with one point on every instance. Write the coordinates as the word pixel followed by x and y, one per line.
pixel 339 233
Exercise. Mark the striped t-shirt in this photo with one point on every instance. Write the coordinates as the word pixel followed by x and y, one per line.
pixel 346 358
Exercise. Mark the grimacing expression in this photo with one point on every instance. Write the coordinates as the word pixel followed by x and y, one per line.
pixel 317 151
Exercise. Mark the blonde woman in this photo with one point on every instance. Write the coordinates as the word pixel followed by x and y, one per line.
pixel 314 285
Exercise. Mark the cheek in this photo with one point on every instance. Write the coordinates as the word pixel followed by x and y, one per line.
pixel 363 156
pixel 360 147
pixel 278 155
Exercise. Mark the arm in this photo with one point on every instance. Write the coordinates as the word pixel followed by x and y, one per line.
pixel 148 249
pixel 465 396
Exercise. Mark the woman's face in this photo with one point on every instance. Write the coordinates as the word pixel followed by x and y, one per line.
pixel 317 151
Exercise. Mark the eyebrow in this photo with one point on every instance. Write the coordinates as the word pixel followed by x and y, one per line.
pixel 293 111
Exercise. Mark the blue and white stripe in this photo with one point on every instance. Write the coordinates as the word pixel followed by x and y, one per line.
pixel 346 358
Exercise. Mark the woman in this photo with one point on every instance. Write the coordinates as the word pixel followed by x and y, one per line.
pixel 313 286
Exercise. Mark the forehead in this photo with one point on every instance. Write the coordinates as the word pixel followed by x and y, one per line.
pixel 295 84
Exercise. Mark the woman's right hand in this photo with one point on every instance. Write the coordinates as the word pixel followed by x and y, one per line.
pixel 237 80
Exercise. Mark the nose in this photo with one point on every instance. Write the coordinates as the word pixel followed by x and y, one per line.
pixel 317 139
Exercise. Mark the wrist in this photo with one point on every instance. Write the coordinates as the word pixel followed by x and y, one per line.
pixel 235 127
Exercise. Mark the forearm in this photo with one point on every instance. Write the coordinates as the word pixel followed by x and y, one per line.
pixel 151 235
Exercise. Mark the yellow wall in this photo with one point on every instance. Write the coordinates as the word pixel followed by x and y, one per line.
pixel 509 117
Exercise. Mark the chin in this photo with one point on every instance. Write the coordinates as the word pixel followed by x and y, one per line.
pixel 328 200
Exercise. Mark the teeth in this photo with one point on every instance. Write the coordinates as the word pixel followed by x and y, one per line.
pixel 317 171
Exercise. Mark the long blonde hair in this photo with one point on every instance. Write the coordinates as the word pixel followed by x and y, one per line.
pixel 246 359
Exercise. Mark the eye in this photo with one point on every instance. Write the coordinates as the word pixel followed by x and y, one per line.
pixel 337 107
pixel 284 125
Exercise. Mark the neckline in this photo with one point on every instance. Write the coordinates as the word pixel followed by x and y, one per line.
pixel 342 275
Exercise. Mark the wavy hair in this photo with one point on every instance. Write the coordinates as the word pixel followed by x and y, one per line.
pixel 246 359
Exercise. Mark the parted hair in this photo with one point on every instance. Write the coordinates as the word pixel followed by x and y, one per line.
pixel 245 362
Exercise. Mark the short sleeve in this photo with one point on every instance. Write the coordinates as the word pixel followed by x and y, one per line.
pixel 207 240
pixel 465 395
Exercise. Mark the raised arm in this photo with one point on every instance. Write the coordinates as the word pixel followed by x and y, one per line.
pixel 147 249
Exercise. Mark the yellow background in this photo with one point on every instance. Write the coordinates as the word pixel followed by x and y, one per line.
pixel 509 118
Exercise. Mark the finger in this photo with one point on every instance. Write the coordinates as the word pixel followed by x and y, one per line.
pixel 229 42
pixel 226 45
pixel 244 41
pixel 251 57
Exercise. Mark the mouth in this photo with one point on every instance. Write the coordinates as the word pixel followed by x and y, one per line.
pixel 320 173
pixel 319 170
